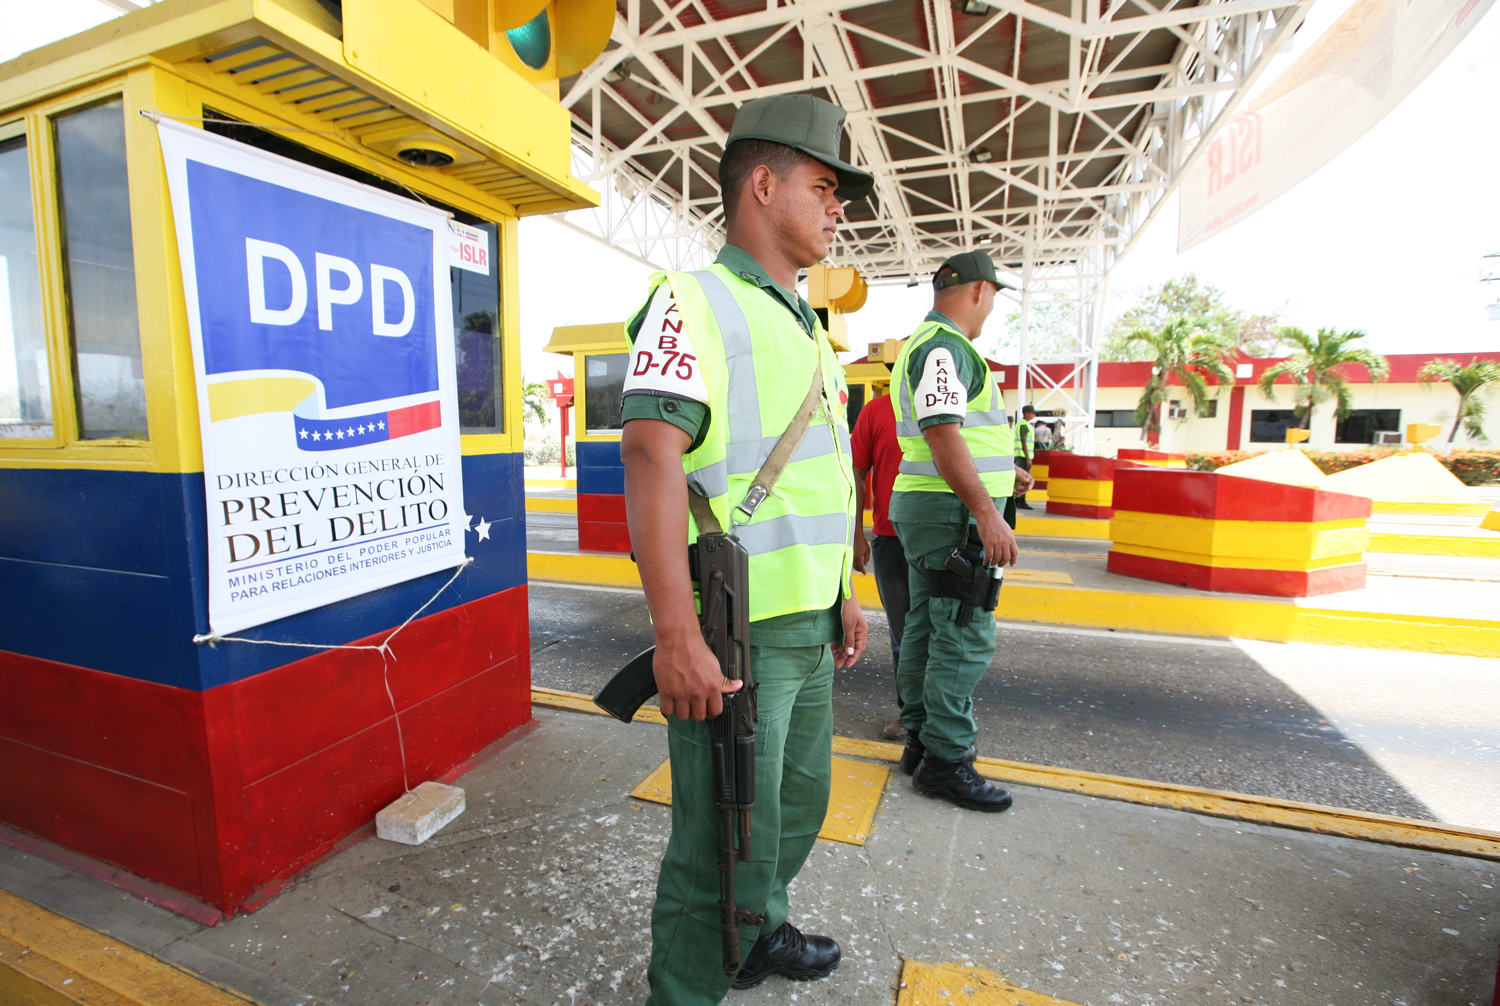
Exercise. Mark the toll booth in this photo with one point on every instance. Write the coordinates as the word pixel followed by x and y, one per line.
pixel 600 354
pixel 219 770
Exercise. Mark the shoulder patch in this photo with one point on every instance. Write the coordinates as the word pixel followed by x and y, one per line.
pixel 940 392
pixel 663 358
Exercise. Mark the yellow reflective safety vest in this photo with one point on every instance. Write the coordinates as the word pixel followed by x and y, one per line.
pixel 986 428
pixel 757 363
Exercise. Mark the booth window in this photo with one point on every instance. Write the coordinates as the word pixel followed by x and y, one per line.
pixel 603 388
pixel 25 365
pixel 99 259
pixel 476 350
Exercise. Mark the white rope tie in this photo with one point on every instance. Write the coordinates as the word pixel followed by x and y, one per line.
pixel 384 649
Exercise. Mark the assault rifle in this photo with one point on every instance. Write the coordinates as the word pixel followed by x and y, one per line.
pixel 721 567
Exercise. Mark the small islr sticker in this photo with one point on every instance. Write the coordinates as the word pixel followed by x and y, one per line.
pixel 468 248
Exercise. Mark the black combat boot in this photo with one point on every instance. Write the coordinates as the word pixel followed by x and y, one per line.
pixel 788 953
pixel 911 756
pixel 958 782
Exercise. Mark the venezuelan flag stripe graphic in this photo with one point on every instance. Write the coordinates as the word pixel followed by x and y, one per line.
pixel 337 434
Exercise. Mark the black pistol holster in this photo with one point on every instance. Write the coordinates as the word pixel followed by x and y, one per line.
pixel 965 576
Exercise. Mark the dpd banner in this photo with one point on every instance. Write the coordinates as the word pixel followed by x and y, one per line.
pixel 322 338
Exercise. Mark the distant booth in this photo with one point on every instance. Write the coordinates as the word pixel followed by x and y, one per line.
pixel 600 354
pixel 135 726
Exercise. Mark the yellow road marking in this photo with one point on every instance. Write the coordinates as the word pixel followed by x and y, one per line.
pixel 1194 799
pixel 48 960
pixel 963 985
pixel 852 801
pixel 1034 599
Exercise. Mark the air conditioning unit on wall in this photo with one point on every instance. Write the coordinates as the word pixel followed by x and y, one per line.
pixel 1387 437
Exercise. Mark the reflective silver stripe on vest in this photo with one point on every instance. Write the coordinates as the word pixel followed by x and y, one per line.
pixel 746 458
pixel 710 480
pixel 844 443
pixel 762 536
pixel 981 465
pixel 739 351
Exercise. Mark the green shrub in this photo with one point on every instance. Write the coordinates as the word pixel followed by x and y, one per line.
pixel 1208 462
pixel 1471 467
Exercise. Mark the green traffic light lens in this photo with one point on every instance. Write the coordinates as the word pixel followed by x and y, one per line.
pixel 533 41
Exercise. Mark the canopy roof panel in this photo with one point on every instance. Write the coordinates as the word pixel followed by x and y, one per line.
pixel 1038 129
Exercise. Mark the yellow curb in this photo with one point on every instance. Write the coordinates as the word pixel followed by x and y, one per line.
pixel 46 960
pixel 1491 520
pixel 551 483
pixel 1221 617
pixel 1193 799
pixel 1436 544
pixel 1062 527
pixel 853 798
pixel 1438 509
pixel 546 504
pixel 962 985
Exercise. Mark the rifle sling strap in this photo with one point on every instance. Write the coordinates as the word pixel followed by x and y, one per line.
pixel 776 462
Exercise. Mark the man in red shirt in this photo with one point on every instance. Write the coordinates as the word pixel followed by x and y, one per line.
pixel 876 450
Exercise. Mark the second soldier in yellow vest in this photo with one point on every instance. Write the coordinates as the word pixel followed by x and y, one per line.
pixel 721 360
pixel 957 471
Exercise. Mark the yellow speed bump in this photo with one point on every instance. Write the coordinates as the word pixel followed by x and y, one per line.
pixel 963 985
pixel 857 788
pixel 46 960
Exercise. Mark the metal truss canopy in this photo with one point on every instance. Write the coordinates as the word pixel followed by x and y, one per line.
pixel 1047 133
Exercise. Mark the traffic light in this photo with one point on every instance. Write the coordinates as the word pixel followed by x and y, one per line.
pixel 542 40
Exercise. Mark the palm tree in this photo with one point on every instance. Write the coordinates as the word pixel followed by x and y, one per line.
pixel 1468 381
pixel 533 401
pixel 1184 350
pixel 1312 369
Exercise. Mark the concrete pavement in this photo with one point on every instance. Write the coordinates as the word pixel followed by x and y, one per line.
pixel 540 893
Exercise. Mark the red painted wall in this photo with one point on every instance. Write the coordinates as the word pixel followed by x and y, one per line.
pixel 1236 417
pixel 225 792
pixel 601 523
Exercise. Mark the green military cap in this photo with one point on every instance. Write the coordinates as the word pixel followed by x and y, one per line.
pixel 968 267
pixel 804 123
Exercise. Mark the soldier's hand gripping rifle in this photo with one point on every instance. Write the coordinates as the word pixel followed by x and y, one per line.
pixel 721 567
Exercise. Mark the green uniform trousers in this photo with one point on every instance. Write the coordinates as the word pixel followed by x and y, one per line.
pixel 940 662
pixel 793 766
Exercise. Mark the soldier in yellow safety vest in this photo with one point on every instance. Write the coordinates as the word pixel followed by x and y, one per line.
pixel 721 361
pixel 957 472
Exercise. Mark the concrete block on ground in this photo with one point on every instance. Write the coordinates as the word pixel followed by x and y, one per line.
pixel 418 815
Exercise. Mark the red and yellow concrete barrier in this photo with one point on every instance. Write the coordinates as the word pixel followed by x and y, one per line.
pixel 1081 486
pixel 1156 459
pixel 1216 532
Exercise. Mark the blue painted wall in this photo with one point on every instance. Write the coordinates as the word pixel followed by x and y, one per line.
pixel 600 471
pixel 107 570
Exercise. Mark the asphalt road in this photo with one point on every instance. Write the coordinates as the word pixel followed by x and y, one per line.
pixel 1202 712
